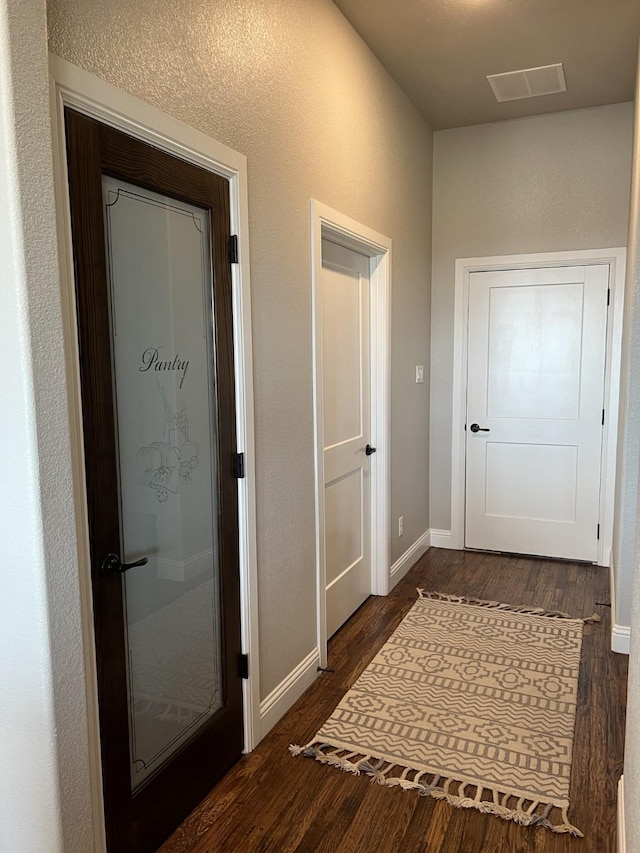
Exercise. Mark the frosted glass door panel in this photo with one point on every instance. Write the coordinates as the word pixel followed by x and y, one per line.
pixel 159 264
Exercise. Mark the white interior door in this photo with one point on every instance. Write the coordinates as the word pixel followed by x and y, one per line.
pixel 536 365
pixel 346 420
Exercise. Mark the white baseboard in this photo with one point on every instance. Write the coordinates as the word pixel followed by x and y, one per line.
pixel 622 841
pixel 620 634
pixel 290 689
pixel 410 556
pixel 441 539
pixel 621 639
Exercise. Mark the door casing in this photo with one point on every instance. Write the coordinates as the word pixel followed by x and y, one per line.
pixel 73 87
pixel 326 222
pixel 616 260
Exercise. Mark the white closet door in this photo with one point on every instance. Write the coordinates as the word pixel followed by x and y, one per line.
pixel 536 361
pixel 346 407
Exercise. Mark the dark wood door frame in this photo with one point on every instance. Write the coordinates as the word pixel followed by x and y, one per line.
pixel 94 149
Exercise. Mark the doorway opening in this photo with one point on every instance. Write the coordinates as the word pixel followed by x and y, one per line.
pixel 153 289
pixel 76 89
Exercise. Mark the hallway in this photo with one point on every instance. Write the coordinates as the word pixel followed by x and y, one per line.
pixel 271 802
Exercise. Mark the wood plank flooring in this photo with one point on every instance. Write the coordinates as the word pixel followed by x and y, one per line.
pixel 273 803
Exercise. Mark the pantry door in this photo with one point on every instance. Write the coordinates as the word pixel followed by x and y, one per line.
pixel 153 289
pixel 535 391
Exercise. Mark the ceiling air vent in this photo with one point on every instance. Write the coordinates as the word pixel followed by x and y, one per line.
pixel 528 83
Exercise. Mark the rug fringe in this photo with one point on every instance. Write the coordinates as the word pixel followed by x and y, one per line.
pixel 378 770
pixel 499 605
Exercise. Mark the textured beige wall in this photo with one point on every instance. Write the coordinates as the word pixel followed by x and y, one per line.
pixel 625 529
pixel 291 85
pixel 44 779
pixel 542 184
pixel 627 507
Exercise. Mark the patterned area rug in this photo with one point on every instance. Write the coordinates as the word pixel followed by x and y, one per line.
pixel 469 701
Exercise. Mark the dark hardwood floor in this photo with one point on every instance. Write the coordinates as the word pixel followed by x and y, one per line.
pixel 272 802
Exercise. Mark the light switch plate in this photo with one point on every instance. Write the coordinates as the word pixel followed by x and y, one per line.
pixel 419 374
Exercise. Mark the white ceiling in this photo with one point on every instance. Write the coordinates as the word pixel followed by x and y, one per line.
pixel 440 51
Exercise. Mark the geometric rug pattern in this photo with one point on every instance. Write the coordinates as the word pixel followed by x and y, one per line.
pixel 469 701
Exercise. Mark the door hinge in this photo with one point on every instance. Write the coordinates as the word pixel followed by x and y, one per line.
pixel 603 417
pixel 608 295
pixel 243 666
pixel 233 249
pixel 238 466
pixel 598 536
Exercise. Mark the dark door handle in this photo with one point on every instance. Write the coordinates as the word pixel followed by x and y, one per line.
pixel 369 450
pixel 111 565
pixel 478 428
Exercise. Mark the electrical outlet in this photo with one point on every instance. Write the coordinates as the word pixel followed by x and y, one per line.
pixel 401 525
pixel 419 374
